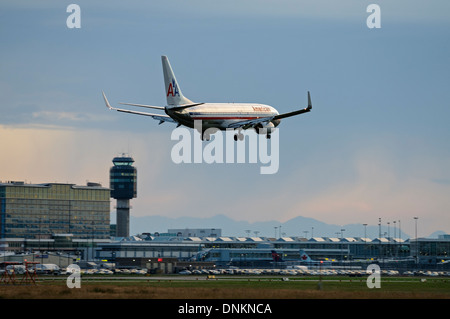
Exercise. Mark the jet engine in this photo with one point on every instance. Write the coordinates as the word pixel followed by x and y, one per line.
pixel 264 128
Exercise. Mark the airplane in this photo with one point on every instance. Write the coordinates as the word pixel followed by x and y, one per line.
pixel 214 116
pixel 304 257
pixel 300 263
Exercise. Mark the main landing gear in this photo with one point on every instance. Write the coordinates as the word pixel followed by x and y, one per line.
pixel 239 136
pixel 206 136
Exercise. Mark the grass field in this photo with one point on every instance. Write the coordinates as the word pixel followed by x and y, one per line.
pixel 171 287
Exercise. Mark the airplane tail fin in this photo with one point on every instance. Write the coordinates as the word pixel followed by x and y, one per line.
pixel 276 256
pixel 304 256
pixel 173 92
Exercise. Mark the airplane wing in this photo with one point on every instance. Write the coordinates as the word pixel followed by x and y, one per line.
pixel 160 117
pixel 252 123
pixel 282 116
pixel 305 110
pixel 143 105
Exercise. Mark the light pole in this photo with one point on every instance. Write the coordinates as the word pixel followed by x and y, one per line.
pixel 395 229
pixel 379 238
pixel 342 247
pixel 417 242
pixel 379 227
pixel 365 241
pixel 389 238
pixel 395 238
pixel 400 236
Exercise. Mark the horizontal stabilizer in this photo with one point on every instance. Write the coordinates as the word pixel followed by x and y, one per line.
pixel 160 117
pixel 185 106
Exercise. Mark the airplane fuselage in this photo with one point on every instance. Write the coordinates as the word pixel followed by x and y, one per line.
pixel 221 115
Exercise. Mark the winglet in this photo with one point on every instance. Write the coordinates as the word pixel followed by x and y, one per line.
pixel 106 101
pixel 309 101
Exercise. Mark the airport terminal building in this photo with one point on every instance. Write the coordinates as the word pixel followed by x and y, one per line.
pixel 258 252
pixel 43 211
pixel 75 220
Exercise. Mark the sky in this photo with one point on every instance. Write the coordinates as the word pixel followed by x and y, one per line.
pixel 376 144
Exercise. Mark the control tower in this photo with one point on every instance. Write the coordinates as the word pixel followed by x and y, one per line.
pixel 122 179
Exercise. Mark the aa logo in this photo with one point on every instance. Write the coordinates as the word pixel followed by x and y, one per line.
pixel 173 89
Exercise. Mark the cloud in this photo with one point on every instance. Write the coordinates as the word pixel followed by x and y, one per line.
pixel 52 111
pixel 380 189
pixel 41 154
pixel 373 186
pixel 49 116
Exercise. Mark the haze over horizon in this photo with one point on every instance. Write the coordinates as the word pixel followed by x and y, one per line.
pixel 299 226
pixel 374 146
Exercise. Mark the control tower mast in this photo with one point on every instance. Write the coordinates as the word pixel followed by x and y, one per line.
pixel 123 177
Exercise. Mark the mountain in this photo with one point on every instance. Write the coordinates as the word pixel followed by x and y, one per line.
pixel 436 234
pixel 298 226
